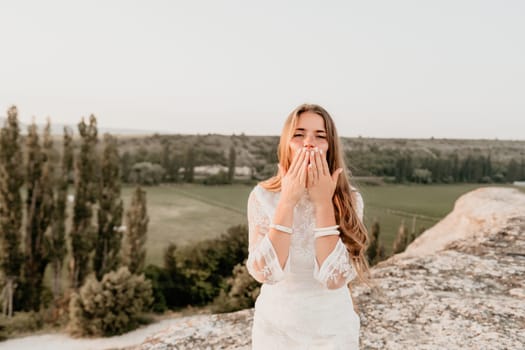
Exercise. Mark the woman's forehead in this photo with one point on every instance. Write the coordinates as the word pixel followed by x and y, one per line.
pixel 310 121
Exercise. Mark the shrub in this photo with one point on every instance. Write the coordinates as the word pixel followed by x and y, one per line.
pixel 241 293
pixel 146 173
pixel 112 306
pixel 20 323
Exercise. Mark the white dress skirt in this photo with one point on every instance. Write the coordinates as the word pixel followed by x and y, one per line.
pixel 303 306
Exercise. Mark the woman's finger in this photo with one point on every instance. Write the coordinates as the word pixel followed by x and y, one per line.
pixel 336 174
pixel 303 170
pixel 310 176
pixel 319 164
pixel 326 170
pixel 295 161
pixel 315 168
pixel 281 170
pixel 301 163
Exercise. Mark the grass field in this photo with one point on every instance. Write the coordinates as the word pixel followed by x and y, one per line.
pixel 188 213
pixel 432 201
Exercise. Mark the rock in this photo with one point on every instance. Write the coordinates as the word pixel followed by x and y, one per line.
pixel 460 285
pixel 220 331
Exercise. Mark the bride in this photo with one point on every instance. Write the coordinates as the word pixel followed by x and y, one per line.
pixel 306 241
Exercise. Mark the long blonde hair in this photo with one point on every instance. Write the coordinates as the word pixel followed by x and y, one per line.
pixel 353 232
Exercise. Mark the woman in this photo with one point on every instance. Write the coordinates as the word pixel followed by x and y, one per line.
pixel 306 241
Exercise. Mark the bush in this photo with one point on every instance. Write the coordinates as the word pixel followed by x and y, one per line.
pixel 20 323
pixel 146 173
pixel 204 267
pixel 241 293
pixel 160 281
pixel 221 178
pixel 112 306
pixel 196 274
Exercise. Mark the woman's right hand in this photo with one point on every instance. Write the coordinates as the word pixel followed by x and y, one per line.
pixel 293 181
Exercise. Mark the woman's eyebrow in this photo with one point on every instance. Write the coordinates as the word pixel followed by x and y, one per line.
pixel 303 129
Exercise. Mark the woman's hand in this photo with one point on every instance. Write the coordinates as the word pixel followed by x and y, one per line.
pixel 321 184
pixel 293 181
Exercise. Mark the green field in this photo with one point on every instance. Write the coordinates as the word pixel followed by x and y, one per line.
pixel 433 202
pixel 188 213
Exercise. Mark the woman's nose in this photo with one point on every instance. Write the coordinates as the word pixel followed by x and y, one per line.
pixel 309 142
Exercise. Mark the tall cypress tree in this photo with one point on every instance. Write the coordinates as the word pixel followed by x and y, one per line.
pixel 136 232
pixel 39 209
pixel 189 164
pixel 11 181
pixel 83 232
pixel 107 247
pixel 373 248
pixel 57 239
pixel 231 164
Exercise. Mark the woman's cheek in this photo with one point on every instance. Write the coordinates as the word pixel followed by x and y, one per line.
pixel 295 148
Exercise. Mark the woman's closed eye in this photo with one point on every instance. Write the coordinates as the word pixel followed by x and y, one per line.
pixel 302 135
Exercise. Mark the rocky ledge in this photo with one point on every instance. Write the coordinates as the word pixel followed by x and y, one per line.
pixel 460 285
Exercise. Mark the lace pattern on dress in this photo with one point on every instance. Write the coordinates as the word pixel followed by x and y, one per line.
pixel 337 270
pixel 303 241
pixel 263 263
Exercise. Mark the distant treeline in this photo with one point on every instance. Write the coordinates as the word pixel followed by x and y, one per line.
pixel 152 159
pixel 403 167
pixel 174 162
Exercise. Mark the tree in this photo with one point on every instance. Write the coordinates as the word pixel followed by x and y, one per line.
pixel 136 232
pixel 231 164
pixel 170 161
pixel 110 209
pixel 189 165
pixel 146 173
pixel 11 181
pixel 404 168
pixel 83 233
pixel 513 171
pixel 375 251
pixel 422 175
pixel 57 238
pixel 401 239
pixel 39 212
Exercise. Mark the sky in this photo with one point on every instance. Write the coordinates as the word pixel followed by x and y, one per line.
pixel 404 69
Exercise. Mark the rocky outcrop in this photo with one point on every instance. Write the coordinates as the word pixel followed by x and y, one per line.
pixel 461 285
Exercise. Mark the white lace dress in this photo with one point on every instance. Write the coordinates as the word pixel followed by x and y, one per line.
pixel 303 306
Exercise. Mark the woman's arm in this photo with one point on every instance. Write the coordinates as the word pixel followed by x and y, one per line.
pixel 269 247
pixel 335 269
pixel 332 266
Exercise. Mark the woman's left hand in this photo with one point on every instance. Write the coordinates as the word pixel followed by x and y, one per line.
pixel 321 184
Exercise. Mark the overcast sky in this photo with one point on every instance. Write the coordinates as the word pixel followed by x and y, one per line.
pixel 453 69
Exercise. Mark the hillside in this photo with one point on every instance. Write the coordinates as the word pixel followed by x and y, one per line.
pixel 463 293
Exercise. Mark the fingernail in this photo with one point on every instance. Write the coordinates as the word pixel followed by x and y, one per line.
pixel 321 151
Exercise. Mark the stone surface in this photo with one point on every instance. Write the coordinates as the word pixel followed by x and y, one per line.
pixel 461 285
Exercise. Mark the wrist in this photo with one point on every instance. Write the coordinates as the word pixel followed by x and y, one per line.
pixel 324 204
pixel 325 215
pixel 286 203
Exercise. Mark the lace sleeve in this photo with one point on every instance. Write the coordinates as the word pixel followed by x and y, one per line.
pixel 337 270
pixel 263 263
